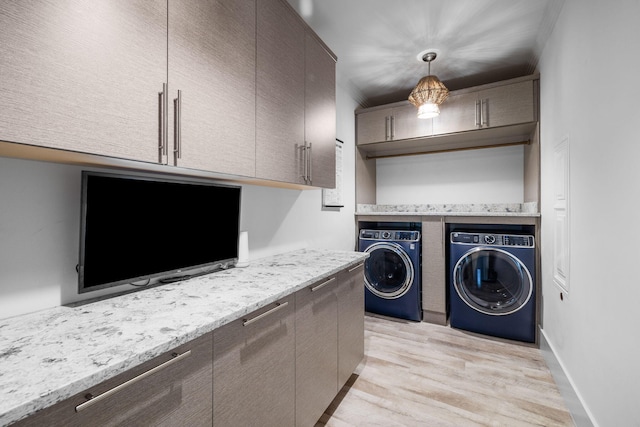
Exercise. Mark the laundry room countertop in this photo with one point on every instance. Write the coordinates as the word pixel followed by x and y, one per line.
pixel 53 354
pixel 485 209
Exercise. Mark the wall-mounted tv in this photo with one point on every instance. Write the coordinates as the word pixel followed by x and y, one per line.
pixel 141 228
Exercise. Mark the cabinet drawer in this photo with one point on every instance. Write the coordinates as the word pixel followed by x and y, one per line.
pixel 172 389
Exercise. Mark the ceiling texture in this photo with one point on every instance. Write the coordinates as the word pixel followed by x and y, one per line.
pixel 379 43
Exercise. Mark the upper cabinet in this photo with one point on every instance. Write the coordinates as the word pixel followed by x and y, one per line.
pixel 390 124
pixel 240 88
pixel 212 85
pixel 84 76
pixel 503 105
pixel 295 98
pixel 487 115
pixel 280 93
pixel 320 113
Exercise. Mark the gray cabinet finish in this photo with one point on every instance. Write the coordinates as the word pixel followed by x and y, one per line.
pixel 504 105
pixel 396 122
pixel 320 112
pixel 83 76
pixel 280 86
pixel 316 350
pixel 178 393
pixel 434 271
pixel 350 293
pixel 212 63
pixel 254 369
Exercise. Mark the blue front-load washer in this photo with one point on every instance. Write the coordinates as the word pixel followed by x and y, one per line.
pixel 392 274
pixel 492 284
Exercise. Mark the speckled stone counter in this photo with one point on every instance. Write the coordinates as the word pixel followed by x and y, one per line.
pixel 50 355
pixel 485 209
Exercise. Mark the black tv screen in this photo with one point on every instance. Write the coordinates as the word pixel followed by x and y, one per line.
pixel 134 228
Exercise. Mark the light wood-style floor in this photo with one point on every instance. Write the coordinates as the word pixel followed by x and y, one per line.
pixel 420 374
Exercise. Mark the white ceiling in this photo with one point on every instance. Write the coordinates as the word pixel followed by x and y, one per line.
pixel 477 41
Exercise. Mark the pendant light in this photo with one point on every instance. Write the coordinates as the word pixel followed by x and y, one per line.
pixel 429 93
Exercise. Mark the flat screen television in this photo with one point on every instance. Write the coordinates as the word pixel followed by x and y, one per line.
pixel 137 228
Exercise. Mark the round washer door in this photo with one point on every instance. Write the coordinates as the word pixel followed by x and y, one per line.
pixel 492 281
pixel 388 272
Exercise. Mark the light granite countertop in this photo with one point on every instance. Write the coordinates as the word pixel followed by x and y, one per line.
pixel 482 209
pixel 53 354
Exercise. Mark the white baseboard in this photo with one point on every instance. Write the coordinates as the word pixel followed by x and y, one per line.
pixel 571 397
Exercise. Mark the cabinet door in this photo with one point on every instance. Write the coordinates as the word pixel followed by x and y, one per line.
pixel 316 350
pixel 406 124
pixel 508 105
pixel 320 112
pixel 350 294
pixel 254 369
pixel 373 126
pixel 83 76
pixel 280 93
pixel 170 390
pixel 458 113
pixel 212 64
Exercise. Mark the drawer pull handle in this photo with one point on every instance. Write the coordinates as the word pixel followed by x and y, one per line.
pixel 95 399
pixel 279 305
pixel 322 285
pixel 355 268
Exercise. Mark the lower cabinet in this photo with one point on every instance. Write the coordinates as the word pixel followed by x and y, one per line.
pixel 281 365
pixel 316 350
pixel 350 293
pixel 254 368
pixel 170 390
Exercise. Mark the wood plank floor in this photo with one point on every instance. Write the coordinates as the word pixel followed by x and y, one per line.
pixel 420 374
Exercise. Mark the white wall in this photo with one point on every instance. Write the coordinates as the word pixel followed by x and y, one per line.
pixel 493 175
pixel 40 211
pixel 589 93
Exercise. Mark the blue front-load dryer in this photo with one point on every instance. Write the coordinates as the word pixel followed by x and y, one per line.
pixel 492 284
pixel 392 275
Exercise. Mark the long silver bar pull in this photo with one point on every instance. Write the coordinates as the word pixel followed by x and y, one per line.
pixel 303 150
pixel 93 400
pixel 478 113
pixel 177 128
pixel 387 132
pixel 309 169
pixel 279 305
pixel 356 267
pixel 484 112
pixel 322 285
pixel 162 121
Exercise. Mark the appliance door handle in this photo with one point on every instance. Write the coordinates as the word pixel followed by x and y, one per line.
pixel 93 400
pixel 279 305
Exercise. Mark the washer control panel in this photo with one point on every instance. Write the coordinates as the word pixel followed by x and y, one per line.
pixel 397 235
pixel 493 239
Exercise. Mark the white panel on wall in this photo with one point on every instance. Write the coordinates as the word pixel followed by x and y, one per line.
pixel 494 175
pixel 561 215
